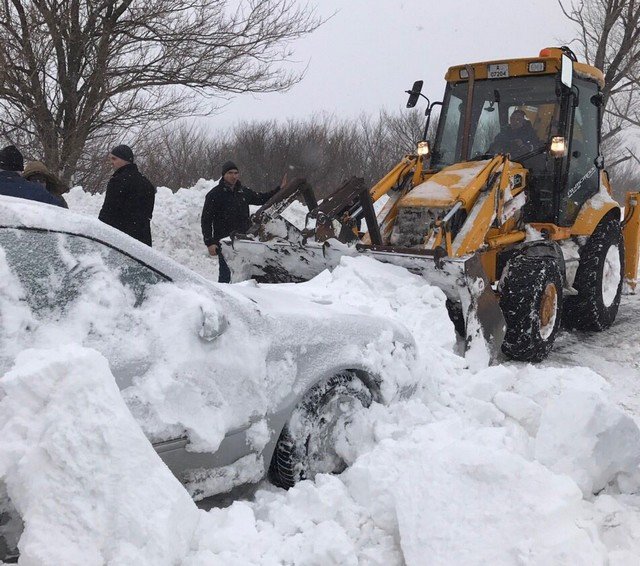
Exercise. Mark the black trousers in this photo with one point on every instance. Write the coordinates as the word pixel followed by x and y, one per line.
pixel 224 275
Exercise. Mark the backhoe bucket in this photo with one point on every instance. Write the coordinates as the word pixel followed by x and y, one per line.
pixel 463 280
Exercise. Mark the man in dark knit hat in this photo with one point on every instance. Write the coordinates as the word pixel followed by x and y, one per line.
pixel 130 197
pixel 13 184
pixel 226 210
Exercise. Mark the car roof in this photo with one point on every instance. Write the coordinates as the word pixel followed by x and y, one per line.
pixel 26 214
pixel 23 213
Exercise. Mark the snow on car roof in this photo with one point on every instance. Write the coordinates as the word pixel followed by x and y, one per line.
pixel 17 212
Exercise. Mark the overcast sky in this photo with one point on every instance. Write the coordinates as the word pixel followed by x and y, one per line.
pixel 371 51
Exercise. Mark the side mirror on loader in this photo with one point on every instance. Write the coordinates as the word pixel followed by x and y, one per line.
pixel 414 93
pixel 566 71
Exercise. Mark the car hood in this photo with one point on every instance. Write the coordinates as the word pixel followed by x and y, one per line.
pixel 278 301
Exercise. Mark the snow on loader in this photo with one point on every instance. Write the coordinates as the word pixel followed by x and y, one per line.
pixel 519 234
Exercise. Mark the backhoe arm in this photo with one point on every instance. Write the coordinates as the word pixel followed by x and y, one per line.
pixel 409 163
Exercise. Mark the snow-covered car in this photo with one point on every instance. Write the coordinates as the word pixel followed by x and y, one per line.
pixel 230 383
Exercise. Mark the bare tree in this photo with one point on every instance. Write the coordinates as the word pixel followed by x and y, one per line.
pixel 76 71
pixel 322 149
pixel 179 156
pixel 609 39
pixel 625 177
pixel 403 130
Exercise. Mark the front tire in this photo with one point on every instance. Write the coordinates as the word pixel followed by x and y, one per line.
pixel 598 280
pixel 531 302
pixel 306 446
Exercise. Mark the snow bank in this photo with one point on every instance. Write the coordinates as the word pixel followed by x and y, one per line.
pixel 470 500
pixel 175 226
pixel 86 481
pixel 588 439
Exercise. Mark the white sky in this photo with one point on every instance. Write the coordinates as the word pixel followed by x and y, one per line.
pixel 370 52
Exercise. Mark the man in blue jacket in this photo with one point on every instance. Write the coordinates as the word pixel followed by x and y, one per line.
pixel 12 184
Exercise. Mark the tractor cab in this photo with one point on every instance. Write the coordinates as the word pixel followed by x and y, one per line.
pixel 543 112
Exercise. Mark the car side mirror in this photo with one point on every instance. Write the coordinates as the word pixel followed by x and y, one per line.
pixel 213 324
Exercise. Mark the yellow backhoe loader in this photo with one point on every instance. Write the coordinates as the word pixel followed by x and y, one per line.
pixel 517 227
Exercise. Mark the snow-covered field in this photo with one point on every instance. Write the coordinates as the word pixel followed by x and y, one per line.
pixel 512 464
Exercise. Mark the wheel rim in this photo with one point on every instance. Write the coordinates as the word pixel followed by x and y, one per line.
pixel 548 310
pixel 611 275
pixel 322 457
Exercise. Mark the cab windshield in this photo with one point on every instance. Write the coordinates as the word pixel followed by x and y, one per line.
pixel 492 128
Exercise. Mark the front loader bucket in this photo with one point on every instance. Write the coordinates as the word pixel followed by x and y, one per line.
pixel 463 280
pixel 281 261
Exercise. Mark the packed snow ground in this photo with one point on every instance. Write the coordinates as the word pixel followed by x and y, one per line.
pixel 512 464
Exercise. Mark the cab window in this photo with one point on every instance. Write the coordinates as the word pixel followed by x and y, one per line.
pixel 583 179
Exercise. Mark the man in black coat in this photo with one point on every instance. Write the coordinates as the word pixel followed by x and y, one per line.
pixel 518 137
pixel 130 197
pixel 226 210
pixel 14 185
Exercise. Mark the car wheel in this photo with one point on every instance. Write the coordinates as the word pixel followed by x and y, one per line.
pixel 306 446
pixel 531 302
pixel 598 280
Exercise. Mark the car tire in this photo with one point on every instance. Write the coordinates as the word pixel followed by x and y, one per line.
pixel 306 445
pixel 531 302
pixel 598 280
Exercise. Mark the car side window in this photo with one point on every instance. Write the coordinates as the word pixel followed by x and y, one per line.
pixel 132 274
pixel 54 267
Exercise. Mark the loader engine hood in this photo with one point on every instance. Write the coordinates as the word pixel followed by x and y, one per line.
pixel 454 183
pixel 419 210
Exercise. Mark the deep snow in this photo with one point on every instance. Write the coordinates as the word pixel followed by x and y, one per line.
pixel 512 464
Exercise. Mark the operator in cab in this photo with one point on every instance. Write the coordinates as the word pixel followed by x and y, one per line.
pixel 517 138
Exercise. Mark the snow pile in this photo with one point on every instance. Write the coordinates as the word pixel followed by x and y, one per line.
pixel 469 500
pixel 588 439
pixel 84 478
pixel 459 485
pixel 512 464
pixel 171 377
pixel 424 482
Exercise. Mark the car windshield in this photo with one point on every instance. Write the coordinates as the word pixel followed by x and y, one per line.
pixel 494 102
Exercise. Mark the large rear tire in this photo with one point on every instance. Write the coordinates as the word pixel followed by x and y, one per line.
pixel 306 446
pixel 598 280
pixel 531 302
